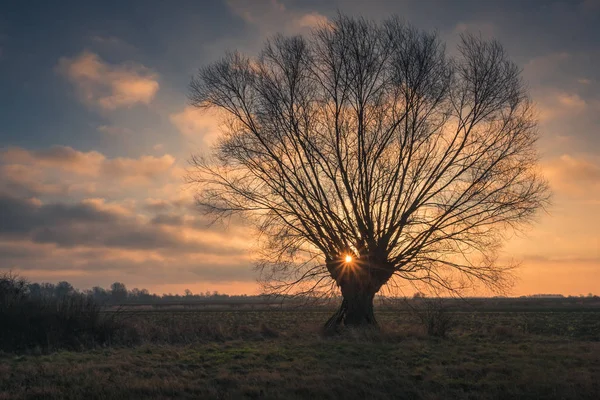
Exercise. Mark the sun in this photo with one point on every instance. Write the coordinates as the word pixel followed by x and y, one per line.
pixel 348 258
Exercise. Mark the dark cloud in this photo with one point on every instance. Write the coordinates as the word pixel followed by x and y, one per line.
pixel 101 267
pixel 89 243
pixel 17 251
pixel 168 219
pixel 21 216
pixel 157 205
pixel 85 224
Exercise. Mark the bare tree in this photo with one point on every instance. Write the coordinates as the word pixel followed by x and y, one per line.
pixel 365 155
pixel 118 292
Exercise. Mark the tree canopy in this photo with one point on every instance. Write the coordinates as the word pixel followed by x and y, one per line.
pixel 365 155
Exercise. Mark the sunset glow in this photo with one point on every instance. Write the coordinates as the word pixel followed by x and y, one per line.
pixel 292 199
pixel 97 132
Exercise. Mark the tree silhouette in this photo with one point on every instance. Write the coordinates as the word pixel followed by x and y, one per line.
pixel 63 289
pixel 118 292
pixel 365 155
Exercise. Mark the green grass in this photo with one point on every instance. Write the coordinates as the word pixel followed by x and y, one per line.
pixel 280 355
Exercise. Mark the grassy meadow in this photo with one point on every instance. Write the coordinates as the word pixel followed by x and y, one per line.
pixel 280 354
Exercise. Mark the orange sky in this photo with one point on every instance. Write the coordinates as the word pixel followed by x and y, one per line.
pixel 92 161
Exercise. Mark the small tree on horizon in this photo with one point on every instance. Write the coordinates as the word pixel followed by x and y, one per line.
pixel 365 155
pixel 118 292
pixel 63 289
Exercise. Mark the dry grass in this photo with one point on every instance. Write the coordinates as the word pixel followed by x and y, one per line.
pixel 313 368
pixel 280 355
pixel 48 323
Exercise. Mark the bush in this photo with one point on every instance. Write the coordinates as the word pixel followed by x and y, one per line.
pixel 72 321
pixel 433 316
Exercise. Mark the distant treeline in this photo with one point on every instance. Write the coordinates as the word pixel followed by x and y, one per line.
pixel 118 293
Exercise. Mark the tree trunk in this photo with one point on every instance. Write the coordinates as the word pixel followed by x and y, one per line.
pixel 358 281
pixel 356 310
pixel 359 309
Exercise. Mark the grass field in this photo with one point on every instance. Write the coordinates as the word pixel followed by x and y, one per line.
pixel 280 355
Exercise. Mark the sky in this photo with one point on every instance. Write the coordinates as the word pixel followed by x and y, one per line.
pixel 96 132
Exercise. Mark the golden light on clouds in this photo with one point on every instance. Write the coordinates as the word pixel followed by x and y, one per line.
pixel 64 168
pixel 271 16
pixel 109 86
pixel 193 123
pixel 97 132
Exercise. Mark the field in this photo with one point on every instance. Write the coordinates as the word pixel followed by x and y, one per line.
pixel 277 354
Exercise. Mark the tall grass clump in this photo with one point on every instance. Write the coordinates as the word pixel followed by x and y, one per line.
pixel 46 322
pixel 433 316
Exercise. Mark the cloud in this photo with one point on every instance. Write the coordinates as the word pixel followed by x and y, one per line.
pixel 168 219
pixel 95 240
pixel 62 169
pixel 563 71
pixel 86 217
pixel 157 205
pixel 114 130
pixel 23 216
pixel 61 157
pixel 574 175
pixel 553 104
pixel 311 20
pixel 562 86
pixel 271 16
pixel 574 169
pixel 17 178
pixel 193 122
pixel 136 170
pixel 547 66
pixel 95 223
pixel 89 266
pixel 486 29
pixel 123 208
pixel 109 86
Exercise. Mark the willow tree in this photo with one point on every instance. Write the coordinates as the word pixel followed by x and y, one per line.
pixel 364 154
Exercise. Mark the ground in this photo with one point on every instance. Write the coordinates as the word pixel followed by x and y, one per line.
pixel 280 355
